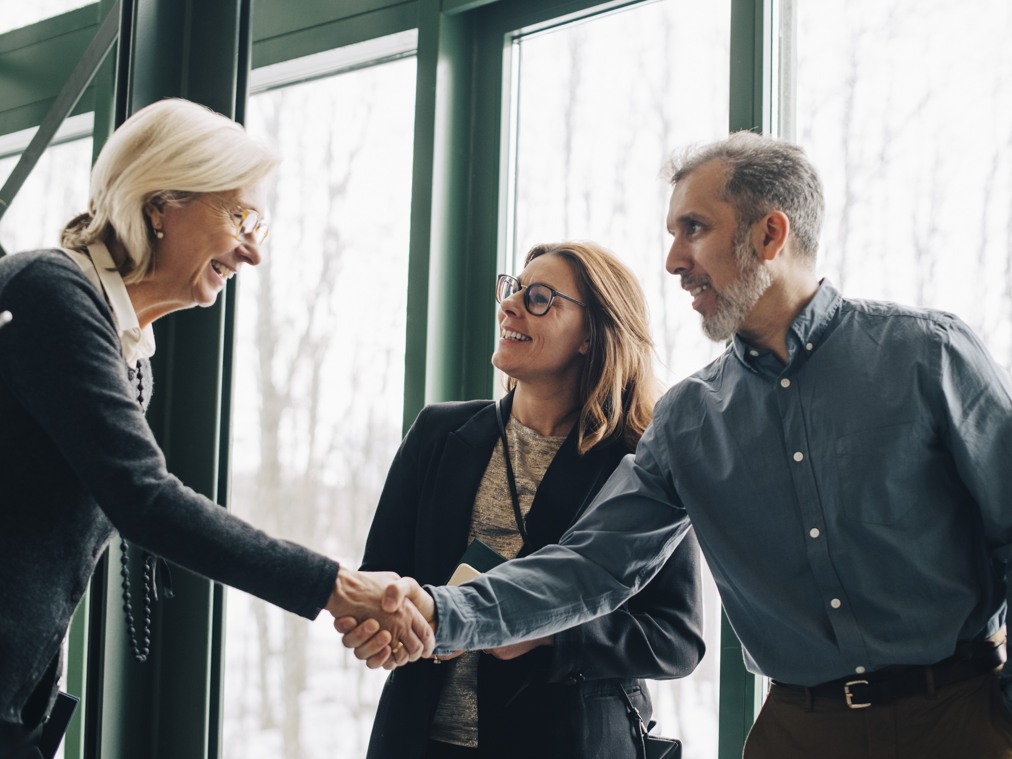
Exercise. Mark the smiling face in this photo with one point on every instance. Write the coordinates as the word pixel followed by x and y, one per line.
pixel 199 252
pixel 549 349
pixel 713 254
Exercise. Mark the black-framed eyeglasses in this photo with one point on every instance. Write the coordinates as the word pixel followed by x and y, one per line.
pixel 538 297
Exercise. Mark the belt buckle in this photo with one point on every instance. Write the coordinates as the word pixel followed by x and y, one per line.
pixel 850 696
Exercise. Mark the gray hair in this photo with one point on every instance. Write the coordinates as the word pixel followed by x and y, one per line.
pixel 169 152
pixel 764 174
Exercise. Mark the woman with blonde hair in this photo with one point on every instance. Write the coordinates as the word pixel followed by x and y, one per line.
pixel 176 209
pixel 575 348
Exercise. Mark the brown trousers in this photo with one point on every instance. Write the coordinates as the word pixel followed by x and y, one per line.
pixel 966 720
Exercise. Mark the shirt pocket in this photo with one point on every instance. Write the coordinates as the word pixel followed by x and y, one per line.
pixel 875 472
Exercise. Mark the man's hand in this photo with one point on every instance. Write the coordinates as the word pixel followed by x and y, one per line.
pixel 368 638
pixel 514 650
pixel 399 631
pixel 407 587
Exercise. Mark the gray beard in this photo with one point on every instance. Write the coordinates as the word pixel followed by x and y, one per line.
pixel 736 301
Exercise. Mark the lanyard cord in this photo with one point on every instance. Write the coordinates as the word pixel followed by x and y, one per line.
pixel 509 474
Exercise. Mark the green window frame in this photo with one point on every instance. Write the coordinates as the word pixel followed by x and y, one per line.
pixel 205 52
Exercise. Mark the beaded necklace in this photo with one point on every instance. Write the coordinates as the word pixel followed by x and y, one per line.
pixel 152 564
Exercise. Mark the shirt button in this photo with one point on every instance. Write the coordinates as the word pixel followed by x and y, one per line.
pixel 785 382
pixel 799 456
pixel 814 532
pixel 809 346
pixel 753 353
pixel 836 603
pixel 860 670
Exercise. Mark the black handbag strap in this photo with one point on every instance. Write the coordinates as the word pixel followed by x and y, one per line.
pixel 648 746
pixel 639 726
pixel 509 473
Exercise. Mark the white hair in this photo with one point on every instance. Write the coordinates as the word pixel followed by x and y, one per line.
pixel 166 153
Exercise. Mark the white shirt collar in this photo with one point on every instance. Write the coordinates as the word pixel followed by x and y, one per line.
pixel 137 342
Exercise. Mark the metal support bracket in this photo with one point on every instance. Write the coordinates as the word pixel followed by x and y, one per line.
pixel 64 103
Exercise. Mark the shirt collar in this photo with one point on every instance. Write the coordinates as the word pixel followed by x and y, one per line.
pixel 811 325
pixel 138 343
pixel 805 333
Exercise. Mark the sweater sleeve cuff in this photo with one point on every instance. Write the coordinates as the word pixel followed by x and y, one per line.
pixel 317 601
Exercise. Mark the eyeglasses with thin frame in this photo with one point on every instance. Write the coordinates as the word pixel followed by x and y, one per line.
pixel 538 297
pixel 246 222
pixel 252 224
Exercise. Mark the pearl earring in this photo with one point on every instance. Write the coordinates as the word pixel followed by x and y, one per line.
pixel 159 234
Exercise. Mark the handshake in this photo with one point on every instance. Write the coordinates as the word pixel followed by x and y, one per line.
pixel 388 620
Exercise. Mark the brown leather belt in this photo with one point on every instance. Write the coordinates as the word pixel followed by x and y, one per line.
pixel 885 686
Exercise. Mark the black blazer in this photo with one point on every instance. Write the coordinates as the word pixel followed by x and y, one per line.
pixel 555 701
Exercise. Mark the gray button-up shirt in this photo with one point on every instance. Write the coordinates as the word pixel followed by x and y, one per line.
pixel 855 505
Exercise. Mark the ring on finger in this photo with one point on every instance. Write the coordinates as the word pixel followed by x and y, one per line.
pixel 398 647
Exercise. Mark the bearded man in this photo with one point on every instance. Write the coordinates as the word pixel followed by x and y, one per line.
pixel 846 467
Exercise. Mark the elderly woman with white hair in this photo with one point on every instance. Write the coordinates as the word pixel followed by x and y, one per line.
pixel 176 209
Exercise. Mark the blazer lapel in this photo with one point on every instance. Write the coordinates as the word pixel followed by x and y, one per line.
pixel 568 487
pixel 456 479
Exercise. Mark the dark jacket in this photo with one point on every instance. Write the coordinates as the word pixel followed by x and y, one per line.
pixel 78 463
pixel 558 701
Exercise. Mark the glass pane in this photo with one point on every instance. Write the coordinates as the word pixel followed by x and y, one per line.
pixel 17 15
pixel 600 105
pixel 903 106
pixel 55 192
pixel 318 396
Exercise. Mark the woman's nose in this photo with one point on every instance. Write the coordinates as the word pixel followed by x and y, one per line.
pixel 249 252
pixel 513 304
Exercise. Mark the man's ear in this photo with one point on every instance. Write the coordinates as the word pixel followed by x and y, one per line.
pixel 770 234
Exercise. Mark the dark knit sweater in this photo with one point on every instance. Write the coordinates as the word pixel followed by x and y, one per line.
pixel 78 463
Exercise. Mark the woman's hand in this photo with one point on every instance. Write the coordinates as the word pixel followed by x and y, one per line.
pixel 372 644
pixel 393 628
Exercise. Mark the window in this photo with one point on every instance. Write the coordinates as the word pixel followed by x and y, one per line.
pixel 903 108
pixel 55 191
pixel 318 397
pixel 598 107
